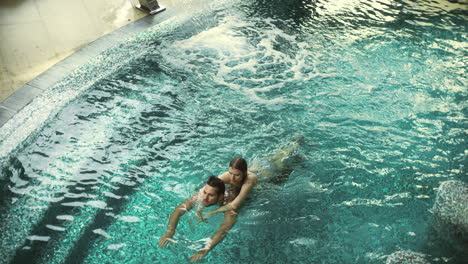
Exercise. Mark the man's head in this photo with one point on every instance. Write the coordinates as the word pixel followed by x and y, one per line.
pixel 213 191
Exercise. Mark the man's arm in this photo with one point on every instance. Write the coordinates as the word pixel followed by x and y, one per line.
pixel 174 219
pixel 230 218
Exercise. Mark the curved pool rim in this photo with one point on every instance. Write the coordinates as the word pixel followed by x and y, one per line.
pixel 35 87
pixel 31 106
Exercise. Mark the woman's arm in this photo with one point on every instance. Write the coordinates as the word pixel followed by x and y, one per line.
pixel 235 204
pixel 225 177
pixel 245 189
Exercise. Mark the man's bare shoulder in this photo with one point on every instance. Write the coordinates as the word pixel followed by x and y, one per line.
pixel 195 198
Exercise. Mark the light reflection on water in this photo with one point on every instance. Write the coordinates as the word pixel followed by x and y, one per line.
pixel 376 89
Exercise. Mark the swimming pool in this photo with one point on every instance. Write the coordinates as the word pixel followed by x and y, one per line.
pixel 376 89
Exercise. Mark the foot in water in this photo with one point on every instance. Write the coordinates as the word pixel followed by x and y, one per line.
pixel 278 168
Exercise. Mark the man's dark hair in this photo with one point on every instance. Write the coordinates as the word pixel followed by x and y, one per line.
pixel 217 183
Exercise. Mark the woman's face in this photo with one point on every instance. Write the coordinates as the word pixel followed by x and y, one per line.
pixel 236 175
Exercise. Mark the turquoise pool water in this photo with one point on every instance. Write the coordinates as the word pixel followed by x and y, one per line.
pixel 377 90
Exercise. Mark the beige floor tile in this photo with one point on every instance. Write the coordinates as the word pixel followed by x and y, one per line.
pixel 109 15
pixel 64 33
pixel 6 83
pixel 71 9
pixel 26 51
pixel 24 45
pixel 16 11
pixel 69 26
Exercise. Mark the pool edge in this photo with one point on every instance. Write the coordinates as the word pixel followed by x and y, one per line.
pixel 23 96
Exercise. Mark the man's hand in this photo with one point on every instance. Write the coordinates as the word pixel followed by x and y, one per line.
pixel 199 255
pixel 165 239
pixel 209 214
pixel 200 218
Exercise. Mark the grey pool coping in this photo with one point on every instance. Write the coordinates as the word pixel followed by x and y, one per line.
pixel 24 95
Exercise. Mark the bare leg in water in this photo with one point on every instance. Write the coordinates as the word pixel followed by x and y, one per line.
pixel 279 166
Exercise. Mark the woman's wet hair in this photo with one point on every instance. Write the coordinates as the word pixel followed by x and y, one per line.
pixel 239 164
pixel 217 183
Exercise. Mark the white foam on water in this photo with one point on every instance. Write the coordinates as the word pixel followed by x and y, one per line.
pixel 116 246
pixel 39 238
pixel 102 233
pixel 317 187
pixel 368 202
pixel 231 57
pixel 304 241
pixel 56 228
pixel 220 41
pixel 130 219
pixel 97 204
pixel 65 217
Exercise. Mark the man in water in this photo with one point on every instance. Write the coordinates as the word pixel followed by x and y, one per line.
pixel 213 193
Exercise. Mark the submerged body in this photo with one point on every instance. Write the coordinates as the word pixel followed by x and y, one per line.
pixel 242 180
pixel 280 165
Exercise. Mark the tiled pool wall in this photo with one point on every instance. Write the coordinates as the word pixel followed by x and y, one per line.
pixel 29 108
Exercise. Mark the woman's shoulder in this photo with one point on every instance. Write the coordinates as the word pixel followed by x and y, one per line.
pixel 224 176
pixel 251 177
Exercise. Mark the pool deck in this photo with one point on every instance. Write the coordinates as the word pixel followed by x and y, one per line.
pixel 23 95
